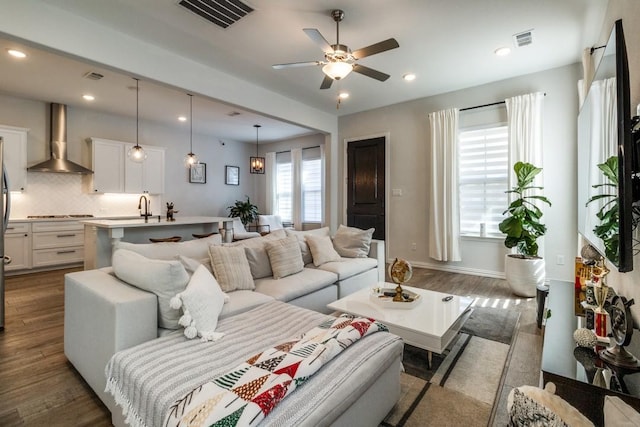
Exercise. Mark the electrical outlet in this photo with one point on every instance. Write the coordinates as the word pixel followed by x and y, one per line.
pixel 560 259
pixel 414 247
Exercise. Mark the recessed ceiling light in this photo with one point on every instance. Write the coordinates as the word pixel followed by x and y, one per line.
pixel 409 77
pixel 88 97
pixel 502 51
pixel 182 118
pixel 343 95
pixel 16 53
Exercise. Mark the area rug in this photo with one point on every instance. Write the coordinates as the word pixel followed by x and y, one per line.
pixel 462 384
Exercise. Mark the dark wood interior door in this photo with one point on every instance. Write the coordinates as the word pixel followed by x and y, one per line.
pixel 365 185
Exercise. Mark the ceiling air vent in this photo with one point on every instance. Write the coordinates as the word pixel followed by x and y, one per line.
pixel 92 75
pixel 233 114
pixel 223 13
pixel 523 39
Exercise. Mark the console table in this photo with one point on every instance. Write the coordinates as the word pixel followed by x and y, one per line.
pixel 563 365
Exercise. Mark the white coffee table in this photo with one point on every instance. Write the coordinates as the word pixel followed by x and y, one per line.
pixel 430 325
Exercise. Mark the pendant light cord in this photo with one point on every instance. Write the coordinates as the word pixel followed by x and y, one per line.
pixel 257 128
pixel 137 108
pixel 190 124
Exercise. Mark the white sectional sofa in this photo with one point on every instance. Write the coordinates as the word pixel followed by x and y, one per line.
pixel 104 314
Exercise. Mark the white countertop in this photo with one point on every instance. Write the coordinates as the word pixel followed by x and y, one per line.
pixel 153 221
pixel 70 218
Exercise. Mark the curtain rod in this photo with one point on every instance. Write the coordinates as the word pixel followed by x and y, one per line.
pixel 305 148
pixel 485 105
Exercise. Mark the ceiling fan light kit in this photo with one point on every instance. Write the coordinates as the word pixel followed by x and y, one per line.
pixel 339 59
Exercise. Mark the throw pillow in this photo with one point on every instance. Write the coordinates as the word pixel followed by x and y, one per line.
pixel 231 268
pixel 201 303
pixel 285 257
pixel 259 263
pixel 191 265
pixel 304 248
pixel 351 242
pixel 618 413
pixel 163 278
pixel 322 250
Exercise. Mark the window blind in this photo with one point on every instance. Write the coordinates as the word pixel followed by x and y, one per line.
pixel 311 190
pixel 284 187
pixel 483 179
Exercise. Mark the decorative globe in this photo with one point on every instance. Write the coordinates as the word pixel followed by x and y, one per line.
pixel 400 271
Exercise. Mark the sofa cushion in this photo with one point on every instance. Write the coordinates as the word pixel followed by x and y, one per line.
pixel 304 248
pixel 231 268
pixel 351 242
pixel 162 277
pixel 191 264
pixel 196 249
pixel 241 301
pixel 257 254
pixel 322 250
pixel 284 256
pixel 349 267
pixel 296 285
pixel 201 303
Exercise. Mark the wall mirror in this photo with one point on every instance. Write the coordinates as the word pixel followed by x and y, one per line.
pixel 604 157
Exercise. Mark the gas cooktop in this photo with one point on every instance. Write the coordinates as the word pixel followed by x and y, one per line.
pixel 60 216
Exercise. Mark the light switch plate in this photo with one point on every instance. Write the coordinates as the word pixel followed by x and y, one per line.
pixel 397 192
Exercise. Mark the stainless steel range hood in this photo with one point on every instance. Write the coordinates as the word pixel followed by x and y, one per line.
pixel 58 146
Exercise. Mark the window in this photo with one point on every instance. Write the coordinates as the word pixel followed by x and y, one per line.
pixel 311 190
pixel 298 194
pixel 483 179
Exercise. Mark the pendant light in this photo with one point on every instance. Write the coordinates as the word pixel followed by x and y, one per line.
pixel 137 153
pixel 190 159
pixel 256 163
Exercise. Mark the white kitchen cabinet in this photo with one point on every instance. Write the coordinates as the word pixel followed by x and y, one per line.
pixel 57 243
pixel 108 166
pixel 15 156
pixel 147 176
pixel 17 246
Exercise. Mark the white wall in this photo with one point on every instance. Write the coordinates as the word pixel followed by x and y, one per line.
pixel 408 126
pixel 63 194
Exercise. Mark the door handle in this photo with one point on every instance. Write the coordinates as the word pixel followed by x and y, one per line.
pixel 7 259
pixel 65 235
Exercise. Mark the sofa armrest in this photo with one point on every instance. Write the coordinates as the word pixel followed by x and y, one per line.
pixel 376 251
pixel 103 315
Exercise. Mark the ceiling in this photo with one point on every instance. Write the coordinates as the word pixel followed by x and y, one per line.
pixel 448 44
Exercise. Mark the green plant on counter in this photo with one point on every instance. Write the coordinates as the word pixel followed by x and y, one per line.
pixel 609 214
pixel 522 225
pixel 245 210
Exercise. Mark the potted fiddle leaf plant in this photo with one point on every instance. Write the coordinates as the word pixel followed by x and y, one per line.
pixel 524 270
pixel 609 213
pixel 245 210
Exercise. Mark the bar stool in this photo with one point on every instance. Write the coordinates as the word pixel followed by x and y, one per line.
pixel 166 239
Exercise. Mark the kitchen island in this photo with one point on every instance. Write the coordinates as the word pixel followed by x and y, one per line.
pixel 99 235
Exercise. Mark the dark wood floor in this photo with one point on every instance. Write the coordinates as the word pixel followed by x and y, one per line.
pixel 39 387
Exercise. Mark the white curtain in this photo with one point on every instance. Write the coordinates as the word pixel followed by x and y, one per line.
pixel 270 165
pixel 588 70
pixel 524 118
pixel 296 196
pixel 324 184
pixel 444 222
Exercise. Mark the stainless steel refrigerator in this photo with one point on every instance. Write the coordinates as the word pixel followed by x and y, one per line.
pixel 5 208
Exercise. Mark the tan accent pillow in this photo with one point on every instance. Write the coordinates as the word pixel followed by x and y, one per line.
pixel 163 278
pixel 322 250
pixel 351 242
pixel 618 413
pixel 231 268
pixel 304 248
pixel 285 257
pixel 191 265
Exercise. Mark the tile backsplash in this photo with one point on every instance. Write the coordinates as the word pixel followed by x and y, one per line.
pixel 63 194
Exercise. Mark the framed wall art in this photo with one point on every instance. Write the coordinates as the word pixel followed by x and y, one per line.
pixel 198 173
pixel 232 175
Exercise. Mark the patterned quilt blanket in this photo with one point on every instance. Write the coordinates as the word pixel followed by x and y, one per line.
pixel 245 395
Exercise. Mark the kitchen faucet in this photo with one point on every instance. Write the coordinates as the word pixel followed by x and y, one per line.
pixel 147 204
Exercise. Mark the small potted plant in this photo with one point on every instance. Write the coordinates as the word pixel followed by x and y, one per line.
pixel 245 210
pixel 524 270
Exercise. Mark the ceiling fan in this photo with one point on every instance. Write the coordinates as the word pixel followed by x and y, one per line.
pixel 339 59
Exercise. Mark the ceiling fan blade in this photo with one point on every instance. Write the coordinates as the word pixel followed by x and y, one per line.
pixel 370 72
pixel 318 39
pixel 376 48
pixel 326 83
pixel 296 64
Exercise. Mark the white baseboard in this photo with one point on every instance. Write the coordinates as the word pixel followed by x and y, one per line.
pixel 457 269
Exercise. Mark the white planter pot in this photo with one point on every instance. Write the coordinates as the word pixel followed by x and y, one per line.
pixel 524 274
